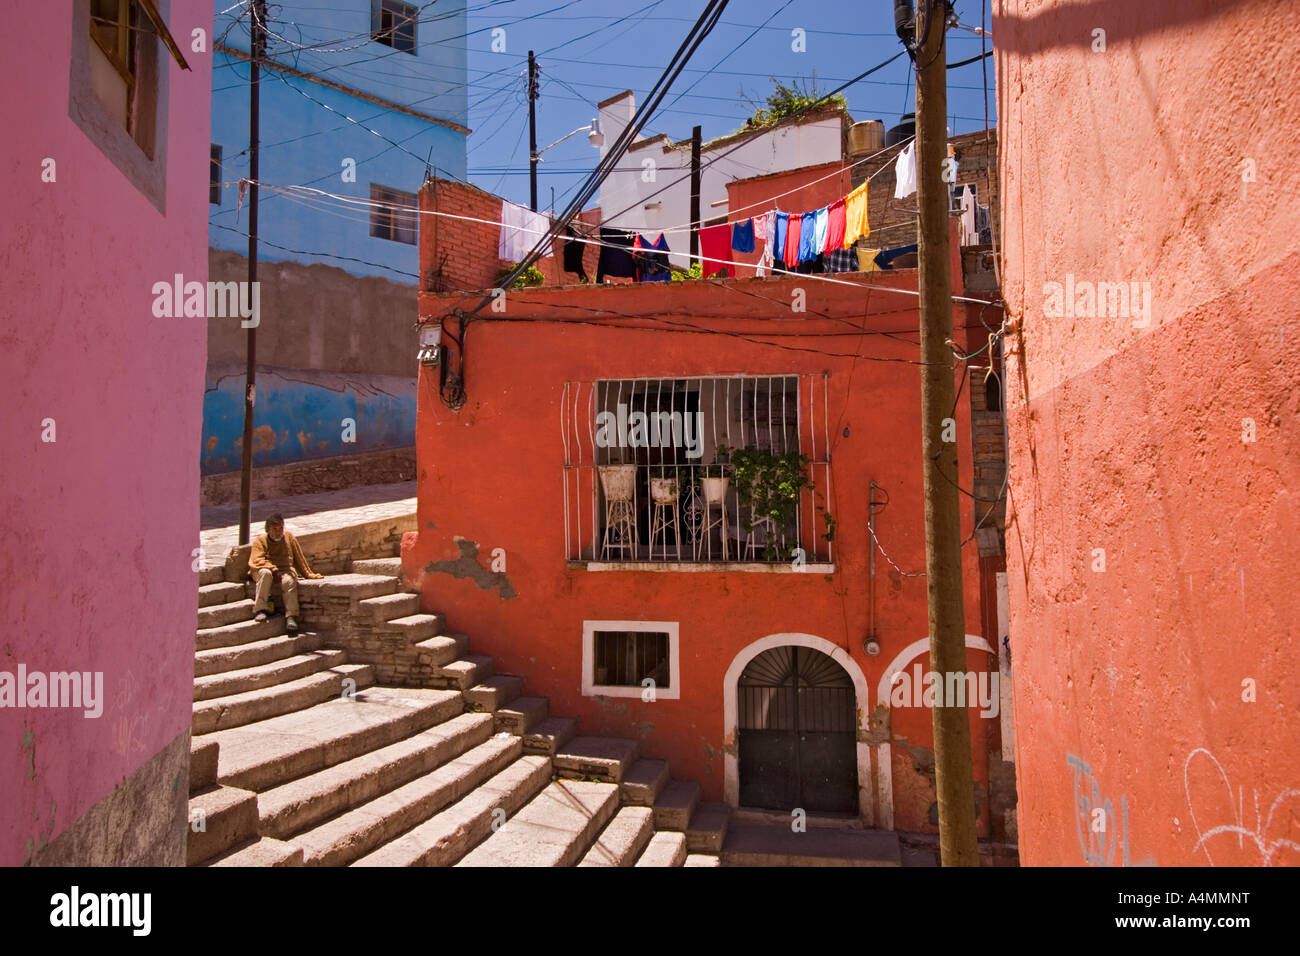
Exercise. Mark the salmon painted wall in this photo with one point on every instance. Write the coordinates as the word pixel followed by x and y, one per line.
pixel 100 521
pixel 491 476
pixel 1155 455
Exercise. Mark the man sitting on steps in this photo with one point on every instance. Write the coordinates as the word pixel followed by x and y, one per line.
pixel 277 555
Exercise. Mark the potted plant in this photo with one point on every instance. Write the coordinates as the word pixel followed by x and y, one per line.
pixel 617 481
pixel 664 485
pixel 768 487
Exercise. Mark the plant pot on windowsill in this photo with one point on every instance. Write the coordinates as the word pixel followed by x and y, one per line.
pixel 618 481
pixel 664 491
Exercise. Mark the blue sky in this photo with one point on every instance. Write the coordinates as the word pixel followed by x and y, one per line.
pixel 591 49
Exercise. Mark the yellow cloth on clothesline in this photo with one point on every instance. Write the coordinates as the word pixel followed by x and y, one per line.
pixel 855 216
pixel 867 260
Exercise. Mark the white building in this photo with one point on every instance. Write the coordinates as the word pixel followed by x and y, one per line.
pixel 650 190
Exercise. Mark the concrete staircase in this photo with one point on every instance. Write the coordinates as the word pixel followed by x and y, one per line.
pixel 380 740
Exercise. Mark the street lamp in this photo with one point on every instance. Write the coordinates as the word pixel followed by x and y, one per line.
pixel 594 136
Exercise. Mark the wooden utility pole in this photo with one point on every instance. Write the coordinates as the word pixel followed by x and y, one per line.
pixel 533 156
pixel 954 780
pixel 250 383
pixel 695 195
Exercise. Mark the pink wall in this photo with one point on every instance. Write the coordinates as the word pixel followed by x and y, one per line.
pixel 98 525
pixel 1134 683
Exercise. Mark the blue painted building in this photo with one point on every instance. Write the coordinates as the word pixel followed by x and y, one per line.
pixel 359 99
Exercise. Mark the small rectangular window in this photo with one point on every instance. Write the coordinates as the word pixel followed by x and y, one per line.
pixel 395 216
pixel 392 23
pixel 626 658
pixel 214 176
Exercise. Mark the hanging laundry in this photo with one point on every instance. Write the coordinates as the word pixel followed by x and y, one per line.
pixel 615 255
pixel 764 227
pixel 821 226
pixel 867 259
pixel 652 259
pixel 791 254
pixel 856 220
pixel 842 260
pixel 808 237
pixel 983 225
pixel 834 226
pixel 573 250
pixel 521 228
pixel 742 236
pixel 969 234
pixel 885 259
pixel 715 248
pixel 905 172
pixel 780 232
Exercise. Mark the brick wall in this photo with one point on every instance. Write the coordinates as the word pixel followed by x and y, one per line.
pixel 457 255
pixel 893 221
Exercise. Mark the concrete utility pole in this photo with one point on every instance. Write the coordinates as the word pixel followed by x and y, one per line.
pixel 250 384
pixel 533 156
pixel 695 194
pixel 954 780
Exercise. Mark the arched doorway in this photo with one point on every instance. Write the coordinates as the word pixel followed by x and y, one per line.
pixel 797 732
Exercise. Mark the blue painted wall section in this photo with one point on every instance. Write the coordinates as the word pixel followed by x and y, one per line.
pixel 304 143
pixel 300 416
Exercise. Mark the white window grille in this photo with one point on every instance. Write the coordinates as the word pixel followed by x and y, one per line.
pixel 653 470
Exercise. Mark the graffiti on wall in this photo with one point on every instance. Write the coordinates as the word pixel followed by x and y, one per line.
pixel 1208 808
pixel 1100 831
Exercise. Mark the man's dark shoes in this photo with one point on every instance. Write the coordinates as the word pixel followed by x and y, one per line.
pixel 291 625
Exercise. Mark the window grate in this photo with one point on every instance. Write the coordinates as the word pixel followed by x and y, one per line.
pixel 627 658
pixel 649 476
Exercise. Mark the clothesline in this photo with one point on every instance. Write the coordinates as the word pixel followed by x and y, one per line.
pixel 290 191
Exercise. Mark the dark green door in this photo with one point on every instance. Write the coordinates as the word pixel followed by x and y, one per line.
pixel 797 724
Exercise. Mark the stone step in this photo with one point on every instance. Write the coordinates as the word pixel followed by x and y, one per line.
pixel 443 649
pixel 522 714
pixel 354 834
pixel 243 632
pixel 666 848
pixel 621 842
pixel 388 606
pixel 553 829
pixel 775 844
pixel 675 805
pixel 494 693
pixel 603 758
pixel 708 828
pixel 387 566
pixel 447 836
pixel 272 752
pixel 254 705
pixel 219 660
pixel 305 802
pixel 643 782
pixel 550 735
pixel 219 818
pixel 216 615
pixel 415 627
pixel 355 587
pixel 702 859
pixel 264 851
pixel 222 592
pixel 213 575
pixel 229 683
pixel 464 673
pixel 203 763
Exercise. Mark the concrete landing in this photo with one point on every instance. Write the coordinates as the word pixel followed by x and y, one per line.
pixel 759 844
